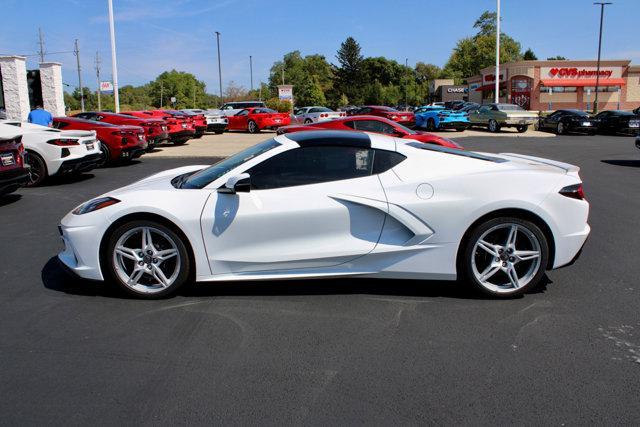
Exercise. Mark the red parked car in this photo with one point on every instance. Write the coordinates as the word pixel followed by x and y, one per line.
pixel 13 173
pixel 155 130
pixel 179 128
pixel 256 119
pixel 374 124
pixel 199 121
pixel 406 118
pixel 118 142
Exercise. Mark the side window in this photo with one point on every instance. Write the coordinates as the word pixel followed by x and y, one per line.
pixel 384 160
pixel 314 110
pixel 494 108
pixel 365 110
pixel 350 124
pixel 242 113
pixel 374 126
pixel 483 109
pixel 312 165
pixel 60 125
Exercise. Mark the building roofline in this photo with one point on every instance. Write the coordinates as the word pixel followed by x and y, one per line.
pixel 565 62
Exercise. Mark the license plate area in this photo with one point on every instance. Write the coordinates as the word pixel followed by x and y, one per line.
pixel 7 159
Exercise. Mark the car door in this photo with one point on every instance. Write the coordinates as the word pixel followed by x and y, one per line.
pixel 308 207
pixel 239 120
pixel 478 116
pixel 551 121
pixel 603 121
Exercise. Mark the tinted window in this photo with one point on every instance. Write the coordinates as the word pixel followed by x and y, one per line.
pixel 374 126
pixel 206 176
pixel 365 110
pixel 312 165
pixel 60 125
pixel 385 160
pixel 351 124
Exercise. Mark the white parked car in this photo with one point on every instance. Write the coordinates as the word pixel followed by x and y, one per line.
pixel 330 204
pixel 232 108
pixel 50 151
pixel 216 120
pixel 307 115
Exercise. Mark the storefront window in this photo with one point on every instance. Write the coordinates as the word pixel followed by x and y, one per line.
pixel 603 88
pixel 558 89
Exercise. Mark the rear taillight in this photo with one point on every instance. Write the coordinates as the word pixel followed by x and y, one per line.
pixel 392 116
pixel 63 142
pixel 574 191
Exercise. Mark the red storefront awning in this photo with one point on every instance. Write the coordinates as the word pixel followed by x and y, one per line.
pixel 582 82
pixel 492 86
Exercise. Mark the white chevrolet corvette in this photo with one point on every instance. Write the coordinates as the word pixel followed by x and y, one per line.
pixel 329 204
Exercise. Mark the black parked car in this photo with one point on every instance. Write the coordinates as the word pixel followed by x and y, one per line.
pixel 617 121
pixel 566 121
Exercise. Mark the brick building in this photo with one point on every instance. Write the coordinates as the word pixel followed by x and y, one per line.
pixel 552 85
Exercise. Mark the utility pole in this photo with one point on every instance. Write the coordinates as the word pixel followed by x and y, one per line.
pixel 161 93
pixel 41 44
pixel 602 5
pixel 194 95
pixel 497 87
pixel 406 83
pixel 98 78
pixel 219 66
pixel 76 52
pixel 251 70
pixel 114 65
pixel 283 73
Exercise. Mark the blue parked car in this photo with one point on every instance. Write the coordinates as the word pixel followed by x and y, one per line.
pixel 434 117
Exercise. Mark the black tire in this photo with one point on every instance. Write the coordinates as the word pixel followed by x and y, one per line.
pixel 109 267
pixel 219 132
pixel 106 154
pixel 308 121
pixel 467 255
pixel 37 169
pixel 460 129
pixel 252 127
pixel 431 125
pixel 493 126
pixel 180 141
pixel 522 128
pixel 560 130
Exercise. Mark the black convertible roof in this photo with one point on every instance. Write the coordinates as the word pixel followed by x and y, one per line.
pixel 330 137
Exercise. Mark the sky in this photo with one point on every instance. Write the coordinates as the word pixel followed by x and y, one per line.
pixel 157 35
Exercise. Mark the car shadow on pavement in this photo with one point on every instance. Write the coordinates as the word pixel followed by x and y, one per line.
pixel 120 164
pixel 627 163
pixel 56 278
pixel 9 199
pixel 66 179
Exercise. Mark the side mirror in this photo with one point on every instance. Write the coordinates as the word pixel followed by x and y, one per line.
pixel 237 184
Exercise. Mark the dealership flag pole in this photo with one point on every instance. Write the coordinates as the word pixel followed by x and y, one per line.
pixel 497 88
pixel 595 102
pixel 114 65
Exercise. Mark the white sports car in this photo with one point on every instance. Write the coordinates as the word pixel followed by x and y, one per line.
pixel 328 204
pixel 50 151
pixel 307 115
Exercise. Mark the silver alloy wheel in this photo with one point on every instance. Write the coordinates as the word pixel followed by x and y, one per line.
pixel 493 125
pixel 151 265
pixel 560 128
pixel 506 257
pixel 252 127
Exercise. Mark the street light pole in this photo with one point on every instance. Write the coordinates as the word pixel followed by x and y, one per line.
pixel 219 65
pixel 406 83
pixel 497 86
pixel 602 5
pixel 251 70
pixel 114 65
pixel 76 52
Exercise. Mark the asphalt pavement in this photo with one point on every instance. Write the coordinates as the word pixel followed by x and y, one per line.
pixel 326 352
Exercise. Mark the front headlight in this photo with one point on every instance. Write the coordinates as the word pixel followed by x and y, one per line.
pixel 94 205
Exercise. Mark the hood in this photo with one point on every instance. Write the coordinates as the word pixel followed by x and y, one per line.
pixel 158 181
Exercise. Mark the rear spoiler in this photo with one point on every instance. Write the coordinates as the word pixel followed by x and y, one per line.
pixel 568 168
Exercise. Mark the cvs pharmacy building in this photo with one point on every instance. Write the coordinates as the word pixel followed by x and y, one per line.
pixel 553 85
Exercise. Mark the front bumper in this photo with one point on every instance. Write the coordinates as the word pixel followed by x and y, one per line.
pixel 13 179
pixel 82 164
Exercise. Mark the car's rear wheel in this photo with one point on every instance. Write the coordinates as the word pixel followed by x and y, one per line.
pixel 252 127
pixel 505 257
pixel 37 168
pixel 493 126
pixel 308 121
pixel 106 154
pixel 180 141
pixel 146 259
pixel 431 125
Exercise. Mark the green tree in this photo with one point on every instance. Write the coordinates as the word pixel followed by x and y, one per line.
pixel 529 55
pixel 311 77
pixel 472 54
pixel 557 58
pixel 349 72
pixel 426 72
pixel 188 91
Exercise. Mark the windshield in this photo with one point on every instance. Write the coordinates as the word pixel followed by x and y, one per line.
pixel 206 176
pixel 509 107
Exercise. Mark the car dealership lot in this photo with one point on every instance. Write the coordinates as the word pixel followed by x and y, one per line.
pixel 328 351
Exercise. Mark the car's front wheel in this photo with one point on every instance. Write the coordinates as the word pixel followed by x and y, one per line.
pixel 146 259
pixel 505 257
pixel 560 129
pixel 431 125
pixel 521 128
pixel 493 126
